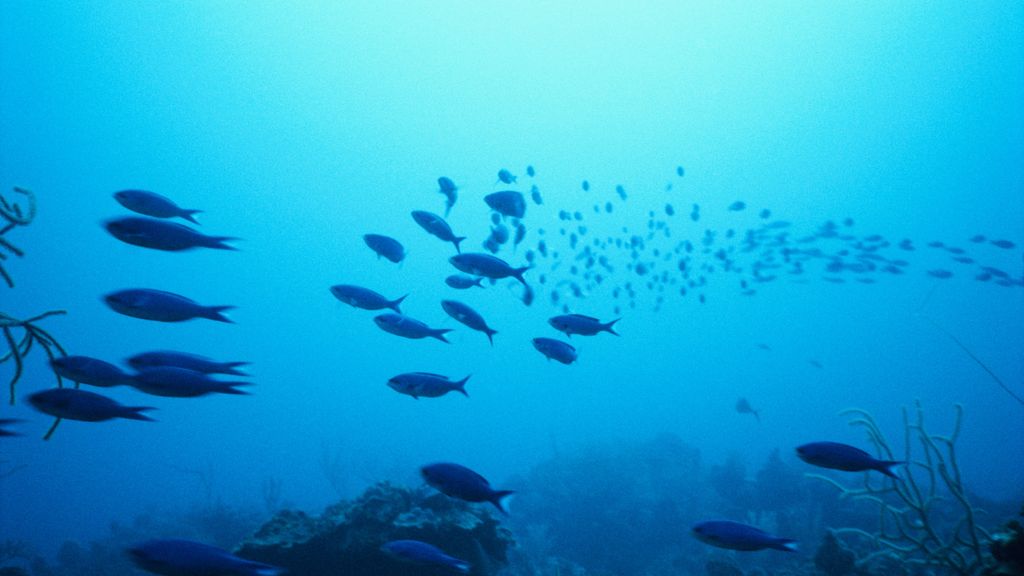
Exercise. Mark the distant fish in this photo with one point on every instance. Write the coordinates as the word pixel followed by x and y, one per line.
pixel 385 246
pixel 457 481
pixel 152 204
pixel 195 362
pixel 585 185
pixel 679 171
pixel 173 557
pixel 365 298
pixel 736 536
pixel 462 282
pixel 940 274
pixel 450 191
pixel 469 317
pixel 844 457
pixel 1005 244
pixel 763 346
pixel 426 384
pixel 583 325
pixel 75 404
pixel 162 306
pixel 743 407
pixel 530 171
pixel 436 226
pixel 401 325
pixel 7 422
pixel 174 382
pixel 487 266
pixel 535 195
pixel 423 554
pixel 91 371
pixel 814 362
pixel 737 206
pixel 978 238
pixel 507 203
pixel 161 235
pixel 506 177
pixel 555 350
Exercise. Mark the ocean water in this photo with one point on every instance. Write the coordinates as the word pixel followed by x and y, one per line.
pixel 299 128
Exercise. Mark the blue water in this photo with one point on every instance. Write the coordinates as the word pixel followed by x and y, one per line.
pixel 300 128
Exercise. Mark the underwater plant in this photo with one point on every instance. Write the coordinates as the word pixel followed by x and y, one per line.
pixel 14 216
pixel 925 517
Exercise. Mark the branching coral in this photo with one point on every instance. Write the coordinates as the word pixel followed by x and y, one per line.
pixel 925 517
pixel 13 215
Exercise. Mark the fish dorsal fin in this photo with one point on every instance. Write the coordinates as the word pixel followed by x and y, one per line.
pixel 583 317
pixel 431 374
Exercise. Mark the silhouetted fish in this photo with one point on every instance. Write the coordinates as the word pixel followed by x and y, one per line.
pixel 173 557
pixel 736 536
pixel 385 246
pixel 162 306
pixel 426 384
pixel 75 404
pixel 153 204
pixel 457 481
pixel 423 554
pixel 161 235
pixel 838 456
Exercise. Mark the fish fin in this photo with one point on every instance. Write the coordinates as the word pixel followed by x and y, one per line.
pixel 134 413
pixel 757 415
pixel 215 313
pixel 461 386
pixel 479 282
pixel 490 335
pixel 218 242
pixel 395 303
pixel 232 368
pixel 189 215
pixel 499 497
pixel 439 334
pixel 786 545
pixel 458 240
pixel 518 274
pixel 886 467
pixel 609 327
pixel 229 388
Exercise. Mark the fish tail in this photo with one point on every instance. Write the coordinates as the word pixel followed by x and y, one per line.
pixel 395 303
pixel 757 415
pixel 461 386
pixel 135 413
pixel 479 282
pixel 218 242
pixel 518 274
pixel 215 313
pixel 499 497
pixel 786 545
pixel 232 368
pixel 490 335
pixel 439 334
pixel 229 388
pixel 886 467
pixel 189 215
pixel 609 327
pixel 458 240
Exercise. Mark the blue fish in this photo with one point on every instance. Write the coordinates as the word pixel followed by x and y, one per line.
pixel 506 177
pixel 91 371
pixel 555 350
pixel 161 235
pixel 385 246
pixel 8 422
pixel 583 325
pixel 736 536
pixel 365 298
pixel 427 385
pixel 174 382
pixel 507 203
pixel 487 266
pixel 462 282
pixel 153 204
pixel 172 557
pixel 457 481
pixel 737 206
pixel 530 171
pixel 194 362
pixel 450 191
pixel 423 554
pixel 469 317
pixel 162 306
pixel 75 404
pixel 535 195
pixel 844 457
pixel 401 325
pixel 436 226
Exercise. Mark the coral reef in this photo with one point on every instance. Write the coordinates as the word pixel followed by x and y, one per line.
pixel 346 538
pixel 14 216
pixel 1007 547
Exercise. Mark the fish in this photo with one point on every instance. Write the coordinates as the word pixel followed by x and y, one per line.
pixel 743 407
pixel 385 246
pixel 423 554
pixel 506 177
pixel 535 195
pixel 7 422
pixel 426 384
pixel 365 298
pixel 450 191
pixel 84 406
pixel 87 370
pixel 555 350
pixel 462 282
pixel 469 317
pixel 736 536
pixel 487 266
pixel 583 325
pixel 457 481
pixel 175 382
pixel 401 325
pixel 1004 244
pixel 940 274
pixel 161 306
pixel 836 456
pixel 194 362
pixel 680 171
pixel 175 557
pixel 530 171
pixel 585 185
pixel 153 204
pixel 436 226
pixel 161 235
pixel 507 203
